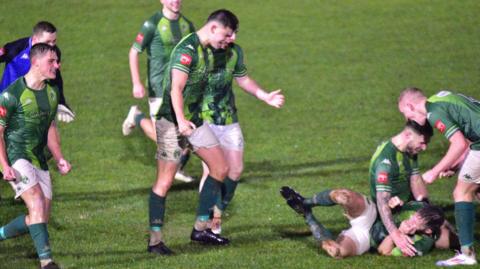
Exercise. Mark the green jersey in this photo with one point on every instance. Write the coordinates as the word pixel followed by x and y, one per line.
pixel 219 101
pixel 390 171
pixel 159 36
pixel 26 115
pixel 450 112
pixel 423 243
pixel 191 57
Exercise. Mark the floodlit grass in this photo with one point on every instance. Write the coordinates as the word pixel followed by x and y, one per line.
pixel 341 65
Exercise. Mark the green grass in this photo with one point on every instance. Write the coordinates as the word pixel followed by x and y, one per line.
pixel 341 65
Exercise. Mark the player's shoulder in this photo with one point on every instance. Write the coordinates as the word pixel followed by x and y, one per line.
pixel 153 20
pixel 15 47
pixel 14 90
pixel 188 44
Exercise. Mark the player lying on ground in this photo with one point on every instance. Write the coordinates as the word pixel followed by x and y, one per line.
pixel 424 223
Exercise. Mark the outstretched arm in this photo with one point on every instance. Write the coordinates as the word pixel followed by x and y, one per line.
pixel 274 98
pixel 401 240
pixel 458 146
pixel 419 190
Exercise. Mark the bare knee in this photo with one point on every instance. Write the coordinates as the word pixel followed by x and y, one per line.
pixel 219 171
pixel 234 172
pixel 35 202
pixel 342 196
pixel 462 194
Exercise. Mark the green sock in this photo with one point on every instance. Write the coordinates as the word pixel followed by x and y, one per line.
pixel 14 228
pixel 156 211
pixel 321 199
pixel 319 232
pixel 208 197
pixel 465 219
pixel 138 119
pixel 39 234
pixel 227 191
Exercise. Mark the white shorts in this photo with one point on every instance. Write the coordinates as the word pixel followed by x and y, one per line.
pixel 154 104
pixel 470 171
pixel 170 143
pixel 27 176
pixel 230 136
pixel 360 230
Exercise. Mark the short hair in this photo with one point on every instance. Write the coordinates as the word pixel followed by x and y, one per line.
pixel 224 17
pixel 44 26
pixel 426 130
pixel 433 217
pixel 410 91
pixel 40 49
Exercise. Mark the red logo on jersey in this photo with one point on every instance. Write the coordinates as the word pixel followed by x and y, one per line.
pixel 440 126
pixel 2 51
pixel 139 38
pixel 382 178
pixel 186 59
pixel 3 112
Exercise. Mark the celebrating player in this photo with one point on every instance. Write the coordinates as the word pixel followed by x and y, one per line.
pixel 27 112
pixel 158 36
pixel 16 56
pixel 219 110
pixel 458 118
pixel 179 124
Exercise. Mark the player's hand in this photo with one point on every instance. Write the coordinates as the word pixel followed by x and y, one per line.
pixel 447 173
pixel 394 202
pixel 275 99
pixel 138 90
pixel 185 127
pixel 8 173
pixel 64 114
pixel 63 166
pixel 430 176
pixel 404 243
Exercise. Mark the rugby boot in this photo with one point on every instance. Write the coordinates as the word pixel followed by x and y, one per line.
pixel 208 237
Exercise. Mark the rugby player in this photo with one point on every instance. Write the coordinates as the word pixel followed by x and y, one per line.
pixel 179 125
pixel 17 63
pixel 394 173
pixel 27 112
pixel 219 110
pixel 158 36
pixel 457 117
pixel 424 223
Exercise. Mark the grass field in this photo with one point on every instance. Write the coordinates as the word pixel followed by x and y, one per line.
pixel 341 65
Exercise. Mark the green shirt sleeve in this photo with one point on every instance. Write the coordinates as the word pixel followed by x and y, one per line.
pixel 382 180
pixel 182 59
pixel 8 105
pixel 145 36
pixel 438 117
pixel 240 68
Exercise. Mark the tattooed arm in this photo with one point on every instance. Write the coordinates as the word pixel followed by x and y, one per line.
pixel 401 240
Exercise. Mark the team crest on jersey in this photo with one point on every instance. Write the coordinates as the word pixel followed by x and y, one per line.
pixel 382 178
pixel 185 59
pixel 3 112
pixel 440 126
pixel 139 38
